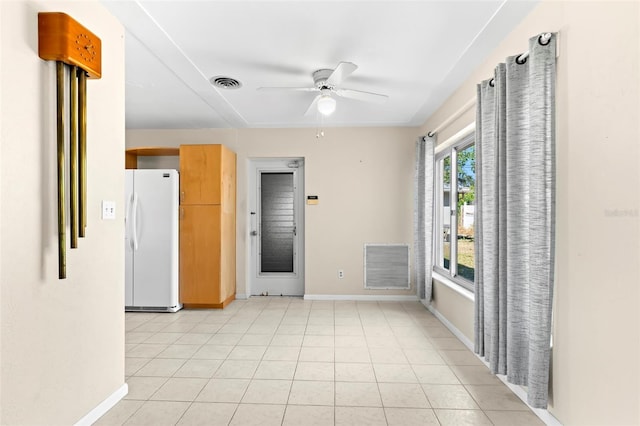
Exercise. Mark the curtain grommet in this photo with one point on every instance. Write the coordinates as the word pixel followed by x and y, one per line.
pixel 544 39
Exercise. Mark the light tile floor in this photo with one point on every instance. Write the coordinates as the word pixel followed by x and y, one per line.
pixel 287 361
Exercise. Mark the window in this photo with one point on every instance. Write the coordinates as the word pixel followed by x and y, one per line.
pixel 455 170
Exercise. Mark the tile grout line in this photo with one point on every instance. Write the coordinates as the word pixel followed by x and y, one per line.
pixel 208 380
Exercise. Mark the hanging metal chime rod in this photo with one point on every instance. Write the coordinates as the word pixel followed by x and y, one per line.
pixel 73 156
pixel 62 233
pixel 82 148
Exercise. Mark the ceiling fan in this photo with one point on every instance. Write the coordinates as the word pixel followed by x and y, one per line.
pixel 326 81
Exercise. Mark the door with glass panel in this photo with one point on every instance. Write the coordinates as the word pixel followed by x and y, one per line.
pixel 276 227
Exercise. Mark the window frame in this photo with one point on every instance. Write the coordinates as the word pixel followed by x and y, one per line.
pixel 450 148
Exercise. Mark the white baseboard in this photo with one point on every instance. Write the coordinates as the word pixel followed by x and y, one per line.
pixel 362 297
pixel 452 328
pixel 104 406
pixel 241 297
pixel 543 415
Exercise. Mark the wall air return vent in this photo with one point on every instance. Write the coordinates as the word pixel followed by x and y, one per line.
pixel 386 266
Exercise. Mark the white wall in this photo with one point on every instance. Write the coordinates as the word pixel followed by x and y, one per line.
pixel 362 176
pixel 596 371
pixel 62 341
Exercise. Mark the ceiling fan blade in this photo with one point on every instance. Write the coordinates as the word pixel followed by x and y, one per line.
pixel 313 106
pixel 342 71
pixel 294 89
pixel 362 96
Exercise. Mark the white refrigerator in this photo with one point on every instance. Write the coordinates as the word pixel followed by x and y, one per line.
pixel 151 241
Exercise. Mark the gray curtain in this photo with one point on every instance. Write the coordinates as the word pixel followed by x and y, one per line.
pixel 515 219
pixel 423 216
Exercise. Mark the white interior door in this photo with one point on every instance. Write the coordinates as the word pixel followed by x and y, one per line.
pixel 277 227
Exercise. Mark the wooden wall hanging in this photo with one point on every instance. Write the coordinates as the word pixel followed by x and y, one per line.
pixel 64 40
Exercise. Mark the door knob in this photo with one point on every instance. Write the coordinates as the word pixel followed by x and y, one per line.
pixel 254 233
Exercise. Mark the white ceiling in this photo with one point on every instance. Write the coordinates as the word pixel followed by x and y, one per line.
pixel 416 52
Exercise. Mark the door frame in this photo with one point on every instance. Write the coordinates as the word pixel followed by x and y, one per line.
pixel 274 165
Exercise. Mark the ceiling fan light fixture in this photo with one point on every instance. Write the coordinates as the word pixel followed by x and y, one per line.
pixel 326 105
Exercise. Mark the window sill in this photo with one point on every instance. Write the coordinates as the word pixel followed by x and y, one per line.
pixel 448 282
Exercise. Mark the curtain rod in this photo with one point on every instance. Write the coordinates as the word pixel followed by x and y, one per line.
pixel 543 39
pixel 471 102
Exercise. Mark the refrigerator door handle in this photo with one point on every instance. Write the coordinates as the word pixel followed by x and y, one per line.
pixel 134 224
pixel 127 220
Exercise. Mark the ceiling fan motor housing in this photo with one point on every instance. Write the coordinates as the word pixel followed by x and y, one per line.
pixel 320 79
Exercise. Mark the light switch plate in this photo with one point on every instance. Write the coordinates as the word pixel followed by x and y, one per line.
pixel 108 210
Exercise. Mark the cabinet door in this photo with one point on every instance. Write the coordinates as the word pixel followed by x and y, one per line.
pixel 200 254
pixel 200 174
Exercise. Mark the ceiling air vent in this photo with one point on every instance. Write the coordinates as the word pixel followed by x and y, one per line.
pixel 225 82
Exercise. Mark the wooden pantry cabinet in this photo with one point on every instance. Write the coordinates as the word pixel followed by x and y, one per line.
pixel 207 226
